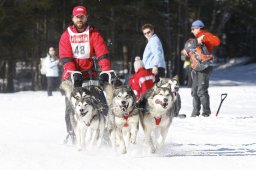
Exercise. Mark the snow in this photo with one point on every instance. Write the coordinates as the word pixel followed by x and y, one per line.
pixel 32 131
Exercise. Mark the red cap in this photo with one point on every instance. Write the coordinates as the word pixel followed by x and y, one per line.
pixel 79 10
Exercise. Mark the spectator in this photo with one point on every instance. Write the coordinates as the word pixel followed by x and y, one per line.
pixel 52 71
pixel 200 78
pixel 153 56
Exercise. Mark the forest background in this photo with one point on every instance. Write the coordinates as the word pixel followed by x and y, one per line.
pixel 28 28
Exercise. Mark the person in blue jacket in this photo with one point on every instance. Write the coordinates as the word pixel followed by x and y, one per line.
pixel 153 56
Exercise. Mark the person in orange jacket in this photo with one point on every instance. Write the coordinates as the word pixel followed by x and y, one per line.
pixel 142 80
pixel 200 78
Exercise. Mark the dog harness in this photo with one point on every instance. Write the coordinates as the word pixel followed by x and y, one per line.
pixel 158 120
pixel 125 117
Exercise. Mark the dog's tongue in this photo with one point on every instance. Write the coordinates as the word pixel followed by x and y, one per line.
pixel 158 101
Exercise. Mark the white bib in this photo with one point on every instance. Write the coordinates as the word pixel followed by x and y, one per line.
pixel 80 44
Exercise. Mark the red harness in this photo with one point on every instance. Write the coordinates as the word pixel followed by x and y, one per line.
pixel 158 120
pixel 126 118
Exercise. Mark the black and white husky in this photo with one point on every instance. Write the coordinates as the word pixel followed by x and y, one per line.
pixel 173 84
pixel 157 116
pixel 83 111
pixel 123 119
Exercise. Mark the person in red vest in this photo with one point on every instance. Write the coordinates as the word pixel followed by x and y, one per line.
pixel 77 46
pixel 142 80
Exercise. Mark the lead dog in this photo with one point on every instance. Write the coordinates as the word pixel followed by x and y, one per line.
pixel 84 113
pixel 157 116
pixel 123 119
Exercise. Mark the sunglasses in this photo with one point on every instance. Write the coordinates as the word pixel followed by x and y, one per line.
pixel 145 33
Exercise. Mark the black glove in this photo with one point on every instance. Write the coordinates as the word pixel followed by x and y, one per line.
pixel 78 79
pixel 107 76
pixel 103 78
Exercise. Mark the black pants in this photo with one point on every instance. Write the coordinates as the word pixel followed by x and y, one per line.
pixel 199 91
pixel 52 84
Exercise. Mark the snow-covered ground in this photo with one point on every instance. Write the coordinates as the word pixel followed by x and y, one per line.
pixel 32 130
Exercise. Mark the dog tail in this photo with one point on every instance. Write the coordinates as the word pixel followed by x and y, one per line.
pixel 67 86
pixel 109 90
pixel 176 77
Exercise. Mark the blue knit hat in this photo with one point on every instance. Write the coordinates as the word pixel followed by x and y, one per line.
pixel 197 24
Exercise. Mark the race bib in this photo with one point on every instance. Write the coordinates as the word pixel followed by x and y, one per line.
pixel 80 44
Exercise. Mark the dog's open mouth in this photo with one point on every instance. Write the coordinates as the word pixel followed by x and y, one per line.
pixel 124 107
pixel 87 123
pixel 163 104
pixel 84 113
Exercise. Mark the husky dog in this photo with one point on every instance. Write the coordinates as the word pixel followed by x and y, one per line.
pixel 85 122
pixel 123 118
pixel 157 116
pixel 173 84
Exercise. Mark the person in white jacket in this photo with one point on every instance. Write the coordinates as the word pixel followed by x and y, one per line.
pixel 52 71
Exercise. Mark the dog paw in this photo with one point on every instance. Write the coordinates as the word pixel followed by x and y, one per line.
pixel 133 141
pixel 123 151
pixel 158 147
pixel 159 144
pixel 152 150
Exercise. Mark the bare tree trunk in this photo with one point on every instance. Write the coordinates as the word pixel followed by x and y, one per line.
pixel 178 48
pixel 112 41
pixel 10 73
pixel 3 75
pixel 3 14
pixel 125 54
pixel 169 58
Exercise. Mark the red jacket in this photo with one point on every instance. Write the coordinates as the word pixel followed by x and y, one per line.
pixel 209 39
pixel 98 48
pixel 142 81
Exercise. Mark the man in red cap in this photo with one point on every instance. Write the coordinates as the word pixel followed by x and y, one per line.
pixel 78 44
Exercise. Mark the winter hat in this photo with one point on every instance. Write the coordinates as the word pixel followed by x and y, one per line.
pixel 197 24
pixel 137 63
pixel 79 10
